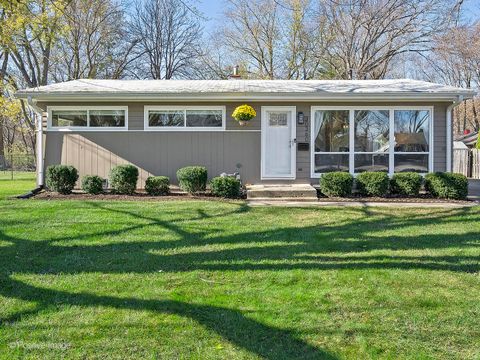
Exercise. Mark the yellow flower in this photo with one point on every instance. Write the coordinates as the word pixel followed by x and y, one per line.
pixel 244 113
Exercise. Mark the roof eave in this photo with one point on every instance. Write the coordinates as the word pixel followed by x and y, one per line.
pixel 76 96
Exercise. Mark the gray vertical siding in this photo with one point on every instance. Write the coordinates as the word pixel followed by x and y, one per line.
pixel 440 137
pixel 162 153
pixel 156 153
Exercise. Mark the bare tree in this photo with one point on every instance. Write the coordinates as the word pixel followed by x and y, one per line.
pixel 169 38
pixel 95 44
pixel 304 53
pixel 252 34
pixel 455 60
pixel 365 35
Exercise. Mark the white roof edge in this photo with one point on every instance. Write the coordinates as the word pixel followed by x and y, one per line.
pixel 444 96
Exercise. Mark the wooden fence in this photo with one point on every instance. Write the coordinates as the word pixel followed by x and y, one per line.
pixel 461 161
pixel 475 156
pixel 467 162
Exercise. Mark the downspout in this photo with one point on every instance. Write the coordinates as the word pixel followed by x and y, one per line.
pixel 38 113
pixel 450 131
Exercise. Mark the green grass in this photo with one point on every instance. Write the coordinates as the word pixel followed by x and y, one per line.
pixel 217 280
pixel 21 183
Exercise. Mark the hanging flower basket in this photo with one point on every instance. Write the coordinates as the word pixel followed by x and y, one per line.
pixel 243 114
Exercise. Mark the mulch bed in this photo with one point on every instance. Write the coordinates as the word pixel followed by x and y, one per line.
pixel 138 196
pixel 207 196
pixel 422 198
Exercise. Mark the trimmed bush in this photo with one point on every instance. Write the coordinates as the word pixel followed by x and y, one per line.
pixel 336 184
pixel 225 186
pixel 192 179
pixel 92 184
pixel 61 178
pixel 447 185
pixel 407 183
pixel 373 183
pixel 157 185
pixel 123 179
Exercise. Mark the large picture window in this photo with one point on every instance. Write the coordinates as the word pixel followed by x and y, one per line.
pixel 184 118
pixel 359 139
pixel 87 118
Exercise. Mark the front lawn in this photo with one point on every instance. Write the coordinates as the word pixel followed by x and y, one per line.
pixel 217 280
pixel 16 184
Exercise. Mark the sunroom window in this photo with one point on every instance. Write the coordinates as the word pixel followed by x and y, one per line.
pixel 371 140
pixel 331 141
pixel 368 139
pixel 412 133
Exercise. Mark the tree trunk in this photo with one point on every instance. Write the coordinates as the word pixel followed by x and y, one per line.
pixel 2 146
pixel 476 120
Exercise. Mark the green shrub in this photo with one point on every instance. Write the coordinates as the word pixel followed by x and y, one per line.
pixel 123 179
pixel 373 183
pixel 61 178
pixel 157 185
pixel 447 185
pixel 407 183
pixel 192 179
pixel 336 184
pixel 92 184
pixel 226 187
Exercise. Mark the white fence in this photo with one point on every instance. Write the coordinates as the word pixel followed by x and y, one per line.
pixel 475 156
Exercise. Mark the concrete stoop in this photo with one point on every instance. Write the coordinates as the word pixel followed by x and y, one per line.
pixel 297 192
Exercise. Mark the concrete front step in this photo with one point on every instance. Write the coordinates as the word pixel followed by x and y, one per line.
pixel 284 191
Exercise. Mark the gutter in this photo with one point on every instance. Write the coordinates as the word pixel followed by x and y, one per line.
pixel 449 128
pixel 38 113
pixel 238 96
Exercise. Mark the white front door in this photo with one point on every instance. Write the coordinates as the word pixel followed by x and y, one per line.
pixel 278 142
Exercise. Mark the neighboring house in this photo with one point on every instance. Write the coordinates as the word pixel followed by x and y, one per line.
pixel 470 140
pixel 303 128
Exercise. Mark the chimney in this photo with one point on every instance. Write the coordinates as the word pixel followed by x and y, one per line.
pixel 236 73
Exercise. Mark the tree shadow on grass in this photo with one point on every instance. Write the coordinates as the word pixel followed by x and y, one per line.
pixel 265 341
pixel 282 248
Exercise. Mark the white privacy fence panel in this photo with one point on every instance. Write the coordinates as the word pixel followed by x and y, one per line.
pixel 475 155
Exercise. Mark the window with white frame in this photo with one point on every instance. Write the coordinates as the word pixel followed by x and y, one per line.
pixel 331 141
pixel 362 139
pixel 371 140
pixel 184 118
pixel 87 118
pixel 412 145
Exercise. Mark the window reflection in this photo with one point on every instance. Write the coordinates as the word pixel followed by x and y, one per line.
pixel 371 130
pixel 411 130
pixel 331 131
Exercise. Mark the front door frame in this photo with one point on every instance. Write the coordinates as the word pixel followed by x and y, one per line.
pixel 293 148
